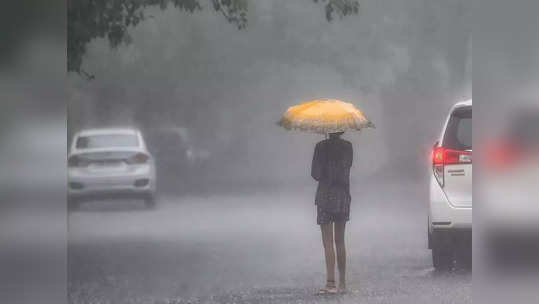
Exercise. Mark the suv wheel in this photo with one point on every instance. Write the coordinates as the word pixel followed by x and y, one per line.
pixel 442 252
pixel 441 259
pixel 429 236
pixel 464 252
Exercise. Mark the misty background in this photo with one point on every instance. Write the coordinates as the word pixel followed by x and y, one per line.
pixel 404 63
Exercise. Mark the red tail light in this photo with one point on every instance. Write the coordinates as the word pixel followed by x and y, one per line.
pixel 442 156
pixel 139 158
pixel 445 156
pixel 438 156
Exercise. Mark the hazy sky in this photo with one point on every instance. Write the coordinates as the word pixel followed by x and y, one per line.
pixel 402 62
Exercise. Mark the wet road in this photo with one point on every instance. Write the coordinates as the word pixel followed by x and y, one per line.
pixel 255 248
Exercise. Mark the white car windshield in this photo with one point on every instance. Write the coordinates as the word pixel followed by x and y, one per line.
pixel 107 140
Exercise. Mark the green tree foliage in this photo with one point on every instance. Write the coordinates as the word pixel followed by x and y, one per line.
pixel 340 8
pixel 89 19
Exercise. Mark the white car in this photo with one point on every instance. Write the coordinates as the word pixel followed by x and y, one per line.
pixel 110 163
pixel 450 204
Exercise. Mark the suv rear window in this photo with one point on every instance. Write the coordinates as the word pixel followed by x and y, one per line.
pixel 458 134
pixel 109 140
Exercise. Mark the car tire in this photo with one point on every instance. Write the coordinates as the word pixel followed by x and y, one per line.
pixel 464 258
pixel 150 202
pixel 464 253
pixel 429 235
pixel 442 259
pixel 442 253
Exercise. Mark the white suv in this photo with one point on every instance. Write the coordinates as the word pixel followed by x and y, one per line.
pixel 450 204
pixel 108 163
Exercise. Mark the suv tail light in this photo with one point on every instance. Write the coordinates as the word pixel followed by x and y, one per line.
pixel 442 156
pixel 139 158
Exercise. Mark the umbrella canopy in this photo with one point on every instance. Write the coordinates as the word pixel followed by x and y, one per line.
pixel 324 116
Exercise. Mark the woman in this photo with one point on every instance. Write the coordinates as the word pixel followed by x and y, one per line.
pixel 331 168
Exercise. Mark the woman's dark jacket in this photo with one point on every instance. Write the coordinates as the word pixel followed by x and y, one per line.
pixel 331 168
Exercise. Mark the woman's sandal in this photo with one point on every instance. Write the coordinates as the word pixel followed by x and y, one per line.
pixel 330 289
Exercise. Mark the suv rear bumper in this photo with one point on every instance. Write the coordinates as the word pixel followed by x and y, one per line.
pixel 443 215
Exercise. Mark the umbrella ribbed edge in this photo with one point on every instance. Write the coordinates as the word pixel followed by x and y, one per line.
pixel 324 127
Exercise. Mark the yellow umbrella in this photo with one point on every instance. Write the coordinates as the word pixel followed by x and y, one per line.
pixel 324 116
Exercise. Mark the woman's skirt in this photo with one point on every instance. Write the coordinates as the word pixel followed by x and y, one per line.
pixel 325 217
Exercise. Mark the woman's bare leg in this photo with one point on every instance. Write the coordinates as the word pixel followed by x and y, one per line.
pixel 341 253
pixel 327 240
